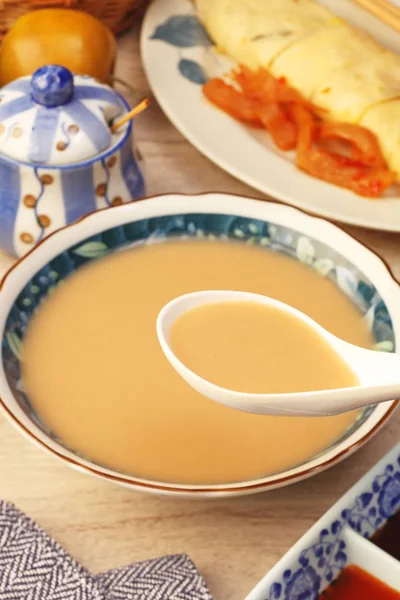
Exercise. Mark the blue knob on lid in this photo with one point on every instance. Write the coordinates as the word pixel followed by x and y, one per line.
pixel 52 85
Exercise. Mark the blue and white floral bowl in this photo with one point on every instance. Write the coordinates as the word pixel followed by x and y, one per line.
pixel 322 246
pixel 339 538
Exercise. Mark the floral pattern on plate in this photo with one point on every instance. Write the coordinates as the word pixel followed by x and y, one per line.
pixel 185 31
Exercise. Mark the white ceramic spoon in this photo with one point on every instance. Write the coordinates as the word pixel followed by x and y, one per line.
pixel 378 372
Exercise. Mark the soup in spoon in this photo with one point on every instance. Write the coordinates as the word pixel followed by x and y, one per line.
pixel 249 347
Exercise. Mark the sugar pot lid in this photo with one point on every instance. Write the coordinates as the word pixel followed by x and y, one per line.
pixel 57 118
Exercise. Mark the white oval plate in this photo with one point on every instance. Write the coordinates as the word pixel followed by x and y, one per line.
pixel 176 56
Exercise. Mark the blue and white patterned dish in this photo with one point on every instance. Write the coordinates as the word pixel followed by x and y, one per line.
pixel 322 246
pixel 339 539
pixel 59 160
pixel 178 56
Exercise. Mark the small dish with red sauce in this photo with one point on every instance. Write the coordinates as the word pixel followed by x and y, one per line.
pixel 388 536
pixel 354 582
pixel 352 552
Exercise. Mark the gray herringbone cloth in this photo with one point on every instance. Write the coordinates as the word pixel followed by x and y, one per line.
pixel 33 566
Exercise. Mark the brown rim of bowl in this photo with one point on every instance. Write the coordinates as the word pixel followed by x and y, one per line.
pixel 203 490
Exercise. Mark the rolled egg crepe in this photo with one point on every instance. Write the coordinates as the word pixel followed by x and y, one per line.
pixel 348 92
pixel 352 47
pixel 384 121
pixel 337 66
pixel 254 32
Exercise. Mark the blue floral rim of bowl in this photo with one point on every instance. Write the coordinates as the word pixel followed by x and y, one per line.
pixel 325 260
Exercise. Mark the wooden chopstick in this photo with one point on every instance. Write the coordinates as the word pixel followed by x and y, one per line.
pixel 130 115
pixel 384 10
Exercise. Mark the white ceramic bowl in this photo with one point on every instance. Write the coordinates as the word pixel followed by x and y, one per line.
pixel 317 243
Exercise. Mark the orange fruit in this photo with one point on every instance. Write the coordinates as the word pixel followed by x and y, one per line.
pixel 66 37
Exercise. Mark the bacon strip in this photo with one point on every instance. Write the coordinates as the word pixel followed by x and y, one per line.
pixel 341 153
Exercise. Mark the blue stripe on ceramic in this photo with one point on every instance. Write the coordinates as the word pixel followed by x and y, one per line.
pixel 107 182
pixel 10 190
pixel 14 107
pixel 90 92
pixel 315 254
pixel 23 86
pixel 78 193
pixel 131 173
pixel 43 134
pixel 96 130
pixel 37 205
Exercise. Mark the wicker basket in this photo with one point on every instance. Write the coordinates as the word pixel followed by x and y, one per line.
pixel 118 15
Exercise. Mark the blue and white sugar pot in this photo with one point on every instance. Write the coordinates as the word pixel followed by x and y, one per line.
pixel 58 158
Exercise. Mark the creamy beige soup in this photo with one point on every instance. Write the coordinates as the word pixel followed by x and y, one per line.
pixel 250 347
pixel 96 375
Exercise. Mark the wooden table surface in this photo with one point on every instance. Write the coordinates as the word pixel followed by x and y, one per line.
pixel 233 542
